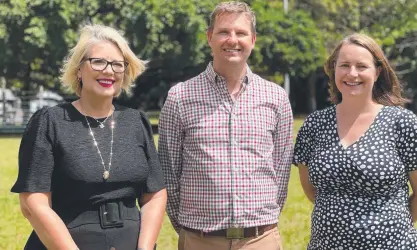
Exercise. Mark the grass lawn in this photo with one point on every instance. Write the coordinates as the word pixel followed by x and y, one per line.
pixel 14 229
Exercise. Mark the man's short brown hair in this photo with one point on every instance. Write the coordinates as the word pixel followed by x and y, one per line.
pixel 233 7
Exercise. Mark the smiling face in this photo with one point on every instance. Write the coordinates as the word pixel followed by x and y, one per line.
pixel 103 83
pixel 355 72
pixel 231 39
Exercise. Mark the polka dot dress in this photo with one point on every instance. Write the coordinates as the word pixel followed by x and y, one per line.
pixel 362 193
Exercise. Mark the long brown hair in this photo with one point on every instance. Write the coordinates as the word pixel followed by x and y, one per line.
pixel 387 89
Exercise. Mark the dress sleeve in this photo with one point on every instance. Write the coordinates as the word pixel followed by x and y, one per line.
pixel 406 140
pixel 304 143
pixel 36 156
pixel 155 180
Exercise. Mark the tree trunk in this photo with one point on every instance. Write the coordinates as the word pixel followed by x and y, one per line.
pixel 312 102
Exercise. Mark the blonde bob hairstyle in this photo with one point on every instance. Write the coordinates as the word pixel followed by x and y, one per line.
pixel 89 36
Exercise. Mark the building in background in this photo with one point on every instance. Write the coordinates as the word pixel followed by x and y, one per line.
pixel 15 111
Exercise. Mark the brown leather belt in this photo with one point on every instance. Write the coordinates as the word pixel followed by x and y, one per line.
pixel 235 233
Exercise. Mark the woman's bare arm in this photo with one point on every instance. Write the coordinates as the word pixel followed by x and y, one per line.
pixel 152 214
pixel 413 198
pixel 53 233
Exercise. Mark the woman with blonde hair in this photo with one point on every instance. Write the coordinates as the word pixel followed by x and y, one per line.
pixel 356 157
pixel 83 165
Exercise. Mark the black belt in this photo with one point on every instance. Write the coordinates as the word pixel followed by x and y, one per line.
pixel 109 214
pixel 235 233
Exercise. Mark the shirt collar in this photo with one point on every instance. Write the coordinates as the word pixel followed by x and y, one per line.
pixel 216 78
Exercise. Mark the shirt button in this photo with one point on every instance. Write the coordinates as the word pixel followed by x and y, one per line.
pixel 235 142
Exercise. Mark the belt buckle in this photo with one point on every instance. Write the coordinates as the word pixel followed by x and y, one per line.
pixel 111 214
pixel 235 233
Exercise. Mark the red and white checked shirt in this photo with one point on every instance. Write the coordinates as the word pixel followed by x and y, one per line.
pixel 226 163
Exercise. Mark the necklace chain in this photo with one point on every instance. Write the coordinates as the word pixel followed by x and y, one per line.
pixel 106 173
pixel 101 124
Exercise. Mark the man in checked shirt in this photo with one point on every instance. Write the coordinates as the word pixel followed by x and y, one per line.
pixel 225 145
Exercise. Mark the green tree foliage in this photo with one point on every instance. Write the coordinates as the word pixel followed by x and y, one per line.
pixel 334 18
pixel 35 36
pixel 393 24
pixel 286 42
pixel 172 36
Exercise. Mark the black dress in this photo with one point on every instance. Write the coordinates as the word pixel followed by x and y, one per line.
pixel 57 155
pixel 362 193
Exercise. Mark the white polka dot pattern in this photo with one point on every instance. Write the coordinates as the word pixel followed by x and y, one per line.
pixel 362 193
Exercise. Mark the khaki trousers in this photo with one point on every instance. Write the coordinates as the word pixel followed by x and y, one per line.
pixel 270 240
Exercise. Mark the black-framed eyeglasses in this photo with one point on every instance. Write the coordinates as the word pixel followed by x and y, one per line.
pixel 100 64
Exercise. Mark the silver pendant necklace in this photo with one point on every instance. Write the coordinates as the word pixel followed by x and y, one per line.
pixel 106 171
pixel 101 124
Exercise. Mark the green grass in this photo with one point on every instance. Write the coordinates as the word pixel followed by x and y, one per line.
pixel 14 228
pixel 153 117
pixel 154 121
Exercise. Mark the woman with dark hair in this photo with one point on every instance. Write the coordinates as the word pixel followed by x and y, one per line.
pixel 356 157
